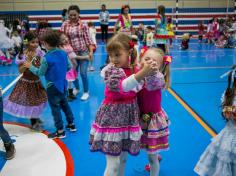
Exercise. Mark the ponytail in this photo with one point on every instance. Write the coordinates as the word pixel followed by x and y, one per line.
pixel 133 57
pixel 166 73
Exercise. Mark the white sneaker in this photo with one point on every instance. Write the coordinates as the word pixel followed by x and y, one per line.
pixel 85 96
pixel 75 91
pixel 91 68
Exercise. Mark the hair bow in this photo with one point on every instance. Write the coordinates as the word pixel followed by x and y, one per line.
pixel 143 51
pixel 167 59
pixel 131 44
pixel 25 41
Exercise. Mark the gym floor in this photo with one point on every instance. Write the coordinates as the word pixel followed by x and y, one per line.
pixel 192 104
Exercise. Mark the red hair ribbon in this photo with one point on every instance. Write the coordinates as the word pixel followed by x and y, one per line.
pixel 131 44
pixel 167 59
pixel 143 51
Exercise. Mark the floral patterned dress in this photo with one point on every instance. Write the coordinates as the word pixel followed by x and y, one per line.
pixel 154 121
pixel 116 127
pixel 28 98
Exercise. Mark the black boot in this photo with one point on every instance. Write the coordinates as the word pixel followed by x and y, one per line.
pixel 71 96
pixel 36 124
pixel 10 151
pixel 33 121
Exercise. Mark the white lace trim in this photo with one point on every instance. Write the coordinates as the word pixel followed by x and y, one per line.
pixel 116 137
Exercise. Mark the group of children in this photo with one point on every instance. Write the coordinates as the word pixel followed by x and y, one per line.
pixel 147 35
pixel 130 117
pixel 11 40
pixel 221 32
pixel 28 98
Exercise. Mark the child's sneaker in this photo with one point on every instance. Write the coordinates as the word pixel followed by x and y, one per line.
pixel 71 127
pixel 71 96
pixel 75 91
pixel 91 68
pixel 37 127
pixel 36 124
pixel 57 134
pixel 85 96
pixel 148 167
pixel 10 151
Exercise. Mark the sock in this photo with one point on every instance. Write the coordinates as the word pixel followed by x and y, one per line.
pixel 112 167
pixel 154 164
pixel 123 159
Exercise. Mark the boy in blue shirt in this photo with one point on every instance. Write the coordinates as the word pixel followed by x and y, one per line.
pixel 54 66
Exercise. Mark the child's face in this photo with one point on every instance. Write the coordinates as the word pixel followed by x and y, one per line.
pixel 126 10
pixel 222 37
pixel 64 39
pixel 140 25
pixel 149 30
pixel 120 58
pixel 154 56
pixel 33 44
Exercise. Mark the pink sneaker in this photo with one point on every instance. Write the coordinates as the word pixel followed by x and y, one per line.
pixel 148 168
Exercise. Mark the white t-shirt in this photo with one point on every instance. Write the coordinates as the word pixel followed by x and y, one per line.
pixel 149 39
pixel 17 40
pixel 92 32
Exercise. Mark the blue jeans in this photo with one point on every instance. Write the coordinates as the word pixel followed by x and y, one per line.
pixel 3 132
pixel 57 102
pixel 83 67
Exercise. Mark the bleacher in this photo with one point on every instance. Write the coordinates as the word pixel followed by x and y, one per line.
pixel 188 18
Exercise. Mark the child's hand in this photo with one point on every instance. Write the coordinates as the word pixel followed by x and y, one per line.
pixel 149 67
pixel 90 55
pixel 27 64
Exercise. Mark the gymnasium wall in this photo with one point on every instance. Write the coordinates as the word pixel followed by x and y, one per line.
pixel 190 11
pixel 21 5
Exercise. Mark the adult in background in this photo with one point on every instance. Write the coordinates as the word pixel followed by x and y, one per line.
pixel 81 42
pixel 124 21
pixel 104 21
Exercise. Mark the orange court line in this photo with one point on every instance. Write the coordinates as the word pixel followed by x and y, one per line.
pixel 189 109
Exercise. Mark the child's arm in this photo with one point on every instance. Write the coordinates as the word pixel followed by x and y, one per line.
pixel 37 71
pixel 73 63
pixel 155 82
pixel 149 68
pixel 20 59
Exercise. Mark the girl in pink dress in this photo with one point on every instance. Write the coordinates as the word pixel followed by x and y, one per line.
pixel 201 29
pixel 72 74
pixel 215 28
pixel 154 120
pixel 210 32
pixel 116 130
